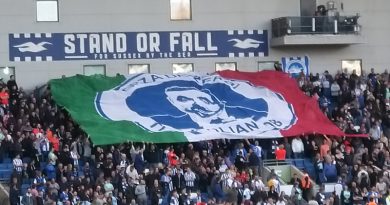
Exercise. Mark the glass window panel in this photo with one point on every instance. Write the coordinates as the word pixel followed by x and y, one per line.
pixel 266 65
pixel 351 65
pixel 180 9
pixel 182 68
pixel 94 69
pixel 47 10
pixel 6 72
pixel 226 66
pixel 139 68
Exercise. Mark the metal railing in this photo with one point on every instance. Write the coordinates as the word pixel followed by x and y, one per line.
pixel 315 25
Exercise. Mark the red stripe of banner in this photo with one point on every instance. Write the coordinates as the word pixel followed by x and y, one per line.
pixel 310 117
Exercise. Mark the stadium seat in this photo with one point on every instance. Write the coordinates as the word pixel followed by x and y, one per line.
pixel 7 160
pixel 299 163
pixel 5 175
pixel 26 160
pixel 3 166
pixel 27 181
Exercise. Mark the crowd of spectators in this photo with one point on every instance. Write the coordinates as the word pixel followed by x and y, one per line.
pixel 61 165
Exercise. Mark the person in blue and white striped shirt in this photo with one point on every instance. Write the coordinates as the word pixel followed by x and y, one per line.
pixel 189 177
pixel 18 164
pixel 174 198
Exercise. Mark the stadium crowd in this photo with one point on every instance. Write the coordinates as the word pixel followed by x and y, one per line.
pixel 58 160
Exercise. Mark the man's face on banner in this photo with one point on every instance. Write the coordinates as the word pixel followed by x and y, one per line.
pixel 194 101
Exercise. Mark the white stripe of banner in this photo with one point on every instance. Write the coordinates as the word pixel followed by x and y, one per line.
pixel 231 55
pixel 230 32
pixel 27 58
pixel 49 58
pixel 27 35
pixel 250 32
pixel 259 31
pixel 48 35
pixel 251 54
pixel 261 54
pixel 17 59
pixel 38 35
pixel 241 55
pixel 16 35
pixel 38 58
pixel 240 32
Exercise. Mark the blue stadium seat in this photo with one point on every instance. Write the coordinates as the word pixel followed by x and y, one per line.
pixel 26 160
pixel 81 163
pixel 290 161
pixel 7 160
pixel 27 181
pixel 5 175
pixel 26 186
pixel 3 166
pixel 299 163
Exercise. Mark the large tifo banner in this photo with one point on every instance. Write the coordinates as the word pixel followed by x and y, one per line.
pixel 137 45
pixel 296 65
pixel 181 108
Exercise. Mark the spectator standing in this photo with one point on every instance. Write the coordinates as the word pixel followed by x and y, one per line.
pixel 297 148
pixel 280 153
pixel 14 192
pixel 190 177
pixel 167 185
pixel 296 194
pixel 140 192
pixel 346 197
pixel 28 198
pixel 306 186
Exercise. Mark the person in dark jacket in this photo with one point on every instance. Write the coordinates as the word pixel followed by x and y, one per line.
pixel 14 192
pixel 178 180
pixel 346 196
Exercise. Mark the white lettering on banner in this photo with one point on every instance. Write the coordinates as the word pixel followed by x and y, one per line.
pixel 97 43
pixel 151 41
pixel 187 41
pixel 142 42
pixel 81 38
pixel 108 43
pixel 210 47
pixel 197 42
pixel 69 43
pixel 154 42
pixel 94 43
pixel 181 44
pixel 121 43
pixel 173 41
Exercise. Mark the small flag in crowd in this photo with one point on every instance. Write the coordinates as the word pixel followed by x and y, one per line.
pixel 295 65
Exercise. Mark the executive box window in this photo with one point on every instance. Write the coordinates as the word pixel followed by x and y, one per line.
pixel 351 65
pixel 182 68
pixel 94 70
pixel 226 66
pixel 139 68
pixel 266 65
pixel 47 10
pixel 180 9
pixel 6 72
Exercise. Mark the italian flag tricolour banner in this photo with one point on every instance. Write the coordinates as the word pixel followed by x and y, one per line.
pixel 190 107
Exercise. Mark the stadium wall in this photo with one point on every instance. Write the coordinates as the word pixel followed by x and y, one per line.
pixel 150 15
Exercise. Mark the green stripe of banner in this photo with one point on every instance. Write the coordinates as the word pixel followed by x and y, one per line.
pixel 77 94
